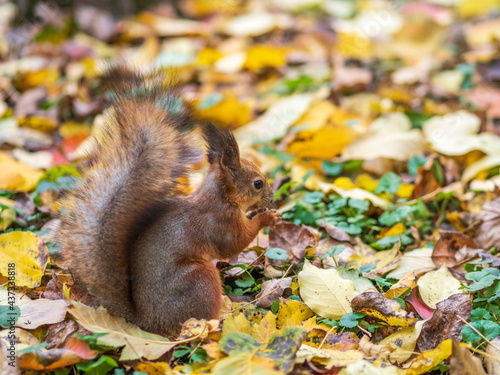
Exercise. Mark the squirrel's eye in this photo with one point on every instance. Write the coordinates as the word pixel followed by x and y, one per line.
pixel 258 184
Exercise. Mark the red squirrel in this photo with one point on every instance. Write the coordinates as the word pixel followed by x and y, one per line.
pixel 137 246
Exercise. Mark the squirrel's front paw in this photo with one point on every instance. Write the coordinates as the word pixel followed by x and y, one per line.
pixel 270 217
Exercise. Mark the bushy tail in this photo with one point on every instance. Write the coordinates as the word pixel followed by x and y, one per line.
pixel 141 150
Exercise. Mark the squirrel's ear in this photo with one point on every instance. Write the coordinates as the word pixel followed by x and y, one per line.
pixel 222 147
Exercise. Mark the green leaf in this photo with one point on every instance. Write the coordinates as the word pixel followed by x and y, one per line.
pixel 333 251
pixel 100 367
pixel 389 183
pixel 414 163
pixel 314 197
pixel 351 320
pixel 331 169
pixel 360 205
pixel 488 328
pixel 485 282
pixel 276 253
pixel 275 306
pixel 480 314
pixel 284 189
pixel 9 314
pixel 245 282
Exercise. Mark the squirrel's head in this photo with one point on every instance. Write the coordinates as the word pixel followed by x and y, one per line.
pixel 242 182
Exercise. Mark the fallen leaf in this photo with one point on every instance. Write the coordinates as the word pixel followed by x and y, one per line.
pixel 75 351
pixel 292 313
pixel 429 359
pixel 271 290
pixel 382 310
pixel 418 260
pixel 25 254
pixel 363 367
pixel 327 357
pixel 293 238
pixel 16 175
pixel 265 329
pixel 436 286
pixel 382 261
pixel 236 323
pixel 325 291
pixel 277 119
pixel 389 137
pixel 445 322
pixel 408 281
pixel 137 343
pixel 487 234
pixel 448 245
pixel 405 341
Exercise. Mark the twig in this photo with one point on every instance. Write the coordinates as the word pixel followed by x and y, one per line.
pixel 324 338
pixel 368 333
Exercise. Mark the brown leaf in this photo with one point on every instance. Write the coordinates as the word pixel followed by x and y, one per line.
pixel 59 333
pixel 445 322
pixel 382 310
pixel 426 181
pixel 448 245
pixel 272 290
pixel 75 351
pixel 488 235
pixel 463 362
pixel 292 238
pixel 338 234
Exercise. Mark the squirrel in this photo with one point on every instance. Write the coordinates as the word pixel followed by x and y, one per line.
pixel 135 244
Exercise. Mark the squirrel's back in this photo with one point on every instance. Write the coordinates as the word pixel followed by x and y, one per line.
pixel 141 150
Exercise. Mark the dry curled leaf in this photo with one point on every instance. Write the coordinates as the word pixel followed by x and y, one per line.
pixel 446 322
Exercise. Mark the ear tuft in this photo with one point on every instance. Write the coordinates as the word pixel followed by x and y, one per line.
pixel 221 146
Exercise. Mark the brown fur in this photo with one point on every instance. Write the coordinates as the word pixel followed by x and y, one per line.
pixel 140 250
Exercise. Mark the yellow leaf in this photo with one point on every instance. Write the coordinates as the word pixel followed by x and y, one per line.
pixel 261 56
pixel 366 182
pixel 7 215
pixel 430 358
pixel 405 190
pixel 71 128
pixel 471 8
pixel 328 357
pixel 238 323
pixel 436 286
pixel 325 291
pixel 246 363
pixel 44 124
pixel 43 77
pixel 405 283
pixel 264 330
pixel 344 183
pixel 208 56
pixel 16 175
pixel 29 255
pixel 385 261
pixel 292 313
pixel 397 229
pixel 228 112
pixel 405 341
pixel 326 134
pixel 354 45
pixel 159 368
